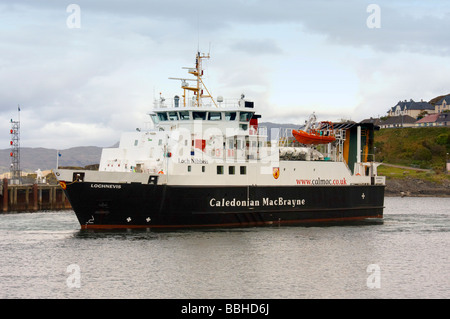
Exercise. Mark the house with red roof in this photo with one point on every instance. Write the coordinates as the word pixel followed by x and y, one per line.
pixel 429 120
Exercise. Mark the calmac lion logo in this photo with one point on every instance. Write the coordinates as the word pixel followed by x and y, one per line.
pixel 276 172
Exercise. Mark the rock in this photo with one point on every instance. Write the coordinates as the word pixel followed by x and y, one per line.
pixel 416 187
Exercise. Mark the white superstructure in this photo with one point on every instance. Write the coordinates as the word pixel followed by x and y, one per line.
pixel 198 140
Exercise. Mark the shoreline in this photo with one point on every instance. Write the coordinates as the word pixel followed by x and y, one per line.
pixel 412 187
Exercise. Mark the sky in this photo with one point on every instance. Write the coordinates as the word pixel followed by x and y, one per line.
pixel 82 72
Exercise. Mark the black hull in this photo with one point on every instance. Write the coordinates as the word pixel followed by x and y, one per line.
pixel 138 205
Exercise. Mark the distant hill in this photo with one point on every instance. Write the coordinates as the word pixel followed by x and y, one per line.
pixel 270 126
pixel 32 159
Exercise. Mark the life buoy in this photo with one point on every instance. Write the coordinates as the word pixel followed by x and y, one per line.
pixel 161 172
pixel 358 174
pixel 63 184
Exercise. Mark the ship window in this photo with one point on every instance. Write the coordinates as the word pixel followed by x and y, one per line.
pixel 203 169
pixel 230 144
pixel 136 142
pixel 199 115
pixel 220 170
pixel 243 170
pixel 189 168
pixel 155 118
pixel 162 116
pixel 184 115
pixel 230 116
pixel 231 170
pixel 243 127
pixel 214 116
pixel 153 180
pixel 245 116
pixel 173 116
pixel 248 104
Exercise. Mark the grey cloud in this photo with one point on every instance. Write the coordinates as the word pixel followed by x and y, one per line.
pixel 61 75
pixel 342 22
pixel 257 46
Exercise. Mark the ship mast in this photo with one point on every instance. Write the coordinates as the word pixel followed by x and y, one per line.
pixel 198 89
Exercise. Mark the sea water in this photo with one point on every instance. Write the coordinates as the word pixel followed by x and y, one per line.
pixel 46 255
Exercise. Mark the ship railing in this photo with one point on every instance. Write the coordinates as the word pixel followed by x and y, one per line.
pixel 366 169
pixel 371 157
pixel 260 131
pixel 283 135
pixel 163 103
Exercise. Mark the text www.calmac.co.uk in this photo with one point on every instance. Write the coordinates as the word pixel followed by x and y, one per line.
pixel 320 181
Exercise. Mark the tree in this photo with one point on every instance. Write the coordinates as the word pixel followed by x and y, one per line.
pixel 422 115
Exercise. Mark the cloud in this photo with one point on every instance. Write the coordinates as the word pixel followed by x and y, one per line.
pixel 256 46
pixel 291 57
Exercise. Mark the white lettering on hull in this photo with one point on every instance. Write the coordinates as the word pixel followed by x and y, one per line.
pixel 266 201
pixel 111 186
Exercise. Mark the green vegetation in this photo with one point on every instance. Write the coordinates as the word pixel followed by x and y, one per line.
pixel 401 173
pixel 425 147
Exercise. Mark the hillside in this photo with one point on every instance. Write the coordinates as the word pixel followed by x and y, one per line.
pixel 32 159
pixel 424 147
pixel 419 158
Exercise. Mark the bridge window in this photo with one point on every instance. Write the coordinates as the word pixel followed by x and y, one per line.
pixel 214 116
pixel 162 116
pixel 230 116
pixel 173 116
pixel 155 118
pixel 245 116
pixel 199 115
pixel 184 115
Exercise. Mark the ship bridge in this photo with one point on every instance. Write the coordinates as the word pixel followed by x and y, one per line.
pixel 239 116
pixel 196 109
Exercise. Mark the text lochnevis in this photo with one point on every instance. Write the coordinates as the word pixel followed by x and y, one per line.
pixel 112 186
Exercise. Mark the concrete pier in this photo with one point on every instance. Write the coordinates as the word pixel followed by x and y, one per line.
pixel 32 197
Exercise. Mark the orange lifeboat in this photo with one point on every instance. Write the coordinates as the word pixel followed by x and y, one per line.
pixel 320 136
pixel 312 138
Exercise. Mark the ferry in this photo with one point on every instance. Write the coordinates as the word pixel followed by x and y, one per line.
pixel 209 162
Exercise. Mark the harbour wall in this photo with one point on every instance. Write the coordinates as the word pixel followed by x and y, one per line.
pixel 32 197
